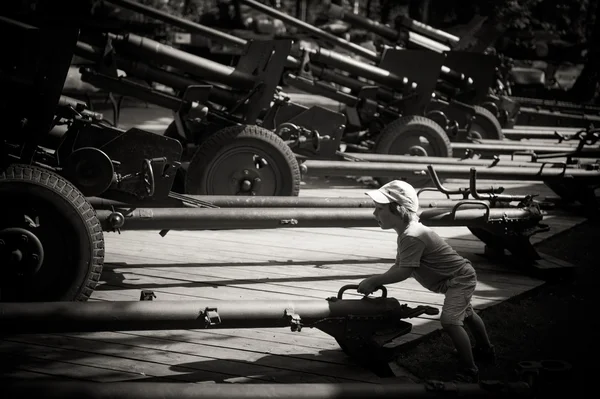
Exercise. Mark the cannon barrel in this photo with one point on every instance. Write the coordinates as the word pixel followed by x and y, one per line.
pixel 455 170
pixel 134 89
pixel 147 72
pixel 526 149
pixel 326 90
pixel 177 390
pixel 142 47
pixel 427 30
pixel 393 35
pixel 237 201
pixel 431 160
pixel 337 12
pixel 274 218
pixel 349 64
pixel 190 26
pixel 425 42
pixel 53 317
pixel 180 22
pixel 345 63
pixel 321 89
pixel 325 36
pixel 329 75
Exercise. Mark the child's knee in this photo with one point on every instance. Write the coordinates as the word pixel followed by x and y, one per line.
pixel 449 320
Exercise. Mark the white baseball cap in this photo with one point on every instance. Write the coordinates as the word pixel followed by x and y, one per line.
pixel 397 191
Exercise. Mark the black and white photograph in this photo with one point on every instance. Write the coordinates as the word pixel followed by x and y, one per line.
pixel 299 199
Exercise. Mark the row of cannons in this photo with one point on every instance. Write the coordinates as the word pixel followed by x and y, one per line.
pixel 233 159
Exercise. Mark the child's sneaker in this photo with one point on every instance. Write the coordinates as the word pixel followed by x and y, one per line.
pixel 467 375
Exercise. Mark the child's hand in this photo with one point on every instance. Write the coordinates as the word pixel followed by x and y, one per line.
pixel 368 285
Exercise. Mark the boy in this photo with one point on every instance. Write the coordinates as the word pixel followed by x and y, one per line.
pixel 424 255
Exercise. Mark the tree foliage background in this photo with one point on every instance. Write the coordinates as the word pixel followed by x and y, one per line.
pixel 524 22
pixel 568 19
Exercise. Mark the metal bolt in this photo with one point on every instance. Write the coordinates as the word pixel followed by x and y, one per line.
pixel 35 257
pixel 1 243
pixel 24 238
pixel 246 185
pixel 257 180
pixel 246 171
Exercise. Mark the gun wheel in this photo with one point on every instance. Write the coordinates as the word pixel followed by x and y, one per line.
pixel 51 242
pixel 243 160
pixel 416 136
pixel 485 125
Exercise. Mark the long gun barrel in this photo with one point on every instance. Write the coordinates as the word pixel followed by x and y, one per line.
pixel 427 30
pixel 330 38
pixel 326 56
pixel 189 26
pixel 336 11
pixel 192 64
pixel 334 40
pixel 180 22
pixel 55 317
pixel 149 73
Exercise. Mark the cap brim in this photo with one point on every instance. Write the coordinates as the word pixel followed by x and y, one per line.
pixel 378 197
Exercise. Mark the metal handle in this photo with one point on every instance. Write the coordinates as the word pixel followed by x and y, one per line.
pixel 483 204
pixel 489 193
pixel 355 286
pixel 461 191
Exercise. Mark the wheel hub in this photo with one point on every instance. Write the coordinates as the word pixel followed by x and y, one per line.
pixel 21 252
pixel 246 182
pixel 417 150
pixel 475 132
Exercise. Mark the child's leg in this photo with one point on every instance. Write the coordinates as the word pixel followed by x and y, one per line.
pixel 477 327
pixel 456 303
pixel 462 343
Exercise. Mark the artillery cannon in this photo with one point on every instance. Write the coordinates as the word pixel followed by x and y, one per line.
pixel 456 96
pixel 409 135
pixel 483 68
pixel 397 92
pixel 367 329
pixel 232 127
pixel 45 188
pixel 480 125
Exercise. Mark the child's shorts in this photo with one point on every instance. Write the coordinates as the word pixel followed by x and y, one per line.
pixel 457 304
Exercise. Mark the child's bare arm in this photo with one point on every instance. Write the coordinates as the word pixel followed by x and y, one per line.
pixel 408 259
pixel 394 275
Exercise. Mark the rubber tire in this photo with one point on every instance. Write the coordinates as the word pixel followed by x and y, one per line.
pixel 437 138
pixel 224 139
pixel 75 208
pixel 490 128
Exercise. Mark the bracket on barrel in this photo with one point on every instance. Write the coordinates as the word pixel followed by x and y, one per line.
pixel 211 317
pixel 459 191
pixel 493 197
